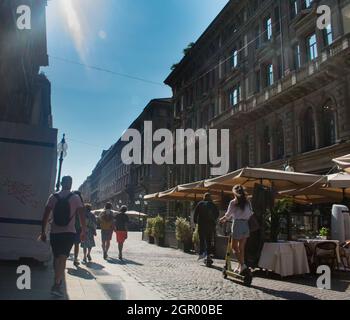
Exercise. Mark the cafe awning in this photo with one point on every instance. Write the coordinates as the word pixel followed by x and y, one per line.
pixel 280 180
pixel 339 180
pixel 343 162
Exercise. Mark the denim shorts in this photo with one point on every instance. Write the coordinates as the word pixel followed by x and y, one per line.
pixel 240 229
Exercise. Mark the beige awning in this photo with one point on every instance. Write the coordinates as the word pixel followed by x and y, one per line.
pixel 316 195
pixel 280 180
pixel 343 162
pixel 153 196
pixel 339 180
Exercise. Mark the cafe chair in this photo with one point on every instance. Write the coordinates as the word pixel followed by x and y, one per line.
pixel 344 251
pixel 310 255
pixel 326 254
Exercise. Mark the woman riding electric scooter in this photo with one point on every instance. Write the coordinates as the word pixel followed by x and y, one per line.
pixel 239 211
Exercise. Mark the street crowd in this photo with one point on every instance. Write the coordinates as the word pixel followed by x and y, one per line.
pixel 68 231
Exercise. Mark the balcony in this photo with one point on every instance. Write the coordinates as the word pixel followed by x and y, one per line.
pixel 328 67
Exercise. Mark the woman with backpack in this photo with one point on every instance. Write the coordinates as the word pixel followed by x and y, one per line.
pixel 106 219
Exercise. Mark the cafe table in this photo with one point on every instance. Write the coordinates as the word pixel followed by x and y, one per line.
pixel 286 258
pixel 313 242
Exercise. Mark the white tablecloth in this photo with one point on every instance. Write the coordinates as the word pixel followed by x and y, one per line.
pixel 284 258
pixel 313 242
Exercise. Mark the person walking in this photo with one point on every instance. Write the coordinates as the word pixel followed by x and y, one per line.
pixel 121 228
pixel 89 242
pixel 206 214
pixel 106 219
pixel 239 210
pixel 64 206
pixel 77 240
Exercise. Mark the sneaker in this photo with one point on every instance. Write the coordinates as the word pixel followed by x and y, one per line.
pixel 76 262
pixel 84 261
pixel 243 268
pixel 202 256
pixel 56 291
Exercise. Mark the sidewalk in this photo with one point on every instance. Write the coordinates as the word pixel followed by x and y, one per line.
pixel 99 280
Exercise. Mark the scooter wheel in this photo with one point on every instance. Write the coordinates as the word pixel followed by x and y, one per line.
pixel 248 280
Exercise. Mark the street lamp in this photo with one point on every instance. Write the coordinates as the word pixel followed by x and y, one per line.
pixel 62 148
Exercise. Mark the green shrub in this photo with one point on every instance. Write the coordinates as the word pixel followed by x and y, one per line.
pixel 195 237
pixel 324 232
pixel 149 227
pixel 183 230
pixel 158 228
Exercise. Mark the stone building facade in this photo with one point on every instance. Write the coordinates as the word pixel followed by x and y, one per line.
pixel 264 70
pixel 24 93
pixel 114 181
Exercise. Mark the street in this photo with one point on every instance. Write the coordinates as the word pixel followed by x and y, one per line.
pixel 150 272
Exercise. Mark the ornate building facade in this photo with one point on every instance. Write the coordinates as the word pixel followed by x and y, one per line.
pixel 264 70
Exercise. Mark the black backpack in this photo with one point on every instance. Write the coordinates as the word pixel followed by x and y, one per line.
pixel 61 212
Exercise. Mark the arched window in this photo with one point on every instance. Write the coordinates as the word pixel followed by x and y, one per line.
pixel 328 124
pixel 279 138
pixel 265 146
pixel 308 131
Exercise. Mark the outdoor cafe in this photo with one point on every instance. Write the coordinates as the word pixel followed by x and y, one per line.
pixel 304 220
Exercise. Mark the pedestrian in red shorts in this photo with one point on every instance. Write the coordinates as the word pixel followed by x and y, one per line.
pixel 121 229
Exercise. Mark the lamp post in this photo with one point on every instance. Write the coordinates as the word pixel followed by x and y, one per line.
pixel 62 153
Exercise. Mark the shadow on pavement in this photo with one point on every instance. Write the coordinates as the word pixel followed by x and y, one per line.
pixel 81 273
pixel 95 266
pixel 289 295
pixel 123 262
pixel 340 280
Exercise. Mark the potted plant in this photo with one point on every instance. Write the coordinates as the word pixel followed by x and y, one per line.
pixel 324 233
pixel 274 216
pixel 158 230
pixel 149 230
pixel 183 234
pixel 195 239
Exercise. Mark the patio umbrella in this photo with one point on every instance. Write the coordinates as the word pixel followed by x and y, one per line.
pixel 313 195
pixel 278 179
pixel 340 180
pixel 343 162
pixel 132 213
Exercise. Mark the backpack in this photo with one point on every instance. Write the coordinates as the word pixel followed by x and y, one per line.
pixel 61 212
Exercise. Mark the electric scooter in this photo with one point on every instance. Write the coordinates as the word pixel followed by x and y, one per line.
pixel 246 277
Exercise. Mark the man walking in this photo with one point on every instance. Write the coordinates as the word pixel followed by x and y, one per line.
pixel 205 215
pixel 121 228
pixel 65 206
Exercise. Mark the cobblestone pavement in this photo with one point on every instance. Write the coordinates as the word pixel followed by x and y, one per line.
pixel 176 275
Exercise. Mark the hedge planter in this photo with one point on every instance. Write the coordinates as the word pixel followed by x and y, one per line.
pixel 160 242
pixel 150 239
pixel 185 246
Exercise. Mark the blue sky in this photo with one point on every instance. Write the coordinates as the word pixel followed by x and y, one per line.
pixel 142 38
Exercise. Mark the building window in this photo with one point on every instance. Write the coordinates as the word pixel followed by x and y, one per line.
pixel 279 134
pixel 257 81
pixel 308 131
pixel 268 28
pixel 329 124
pixel 269 75
pixel 265 146
pixel 312 47
pixel 257 37
pixel 328 35
pixel 307 3
pixel 297 57
pixel 235 96
pixel 235 59
pixel 294 9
